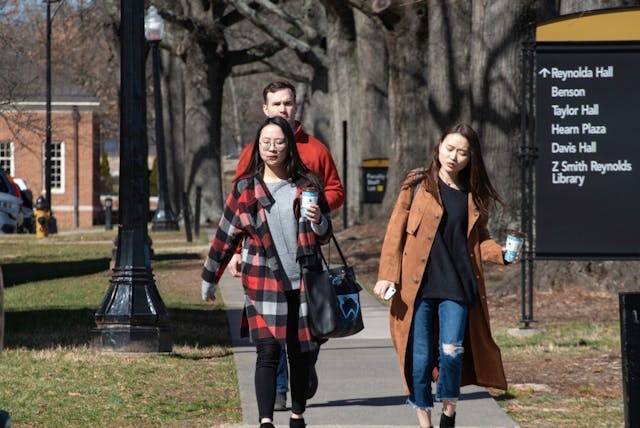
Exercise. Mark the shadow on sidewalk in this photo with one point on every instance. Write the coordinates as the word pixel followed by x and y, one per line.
pixel 369 401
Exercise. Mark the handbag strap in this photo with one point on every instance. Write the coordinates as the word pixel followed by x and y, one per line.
pixel 335 241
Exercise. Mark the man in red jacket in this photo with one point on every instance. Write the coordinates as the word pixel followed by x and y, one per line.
pixel 280 100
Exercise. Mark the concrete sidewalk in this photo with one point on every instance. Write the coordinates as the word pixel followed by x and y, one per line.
pixel 359 378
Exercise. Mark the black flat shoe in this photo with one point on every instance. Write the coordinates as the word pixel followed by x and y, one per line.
pixel 297 423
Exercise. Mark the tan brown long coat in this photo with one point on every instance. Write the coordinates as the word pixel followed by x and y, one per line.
pixel 404 256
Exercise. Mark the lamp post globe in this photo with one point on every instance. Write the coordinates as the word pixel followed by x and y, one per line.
pixel 153 25
pixel 164 217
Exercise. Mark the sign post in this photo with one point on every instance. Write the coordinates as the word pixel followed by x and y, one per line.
pixel 587 134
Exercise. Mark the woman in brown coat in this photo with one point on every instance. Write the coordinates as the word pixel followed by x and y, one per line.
pixel 432 255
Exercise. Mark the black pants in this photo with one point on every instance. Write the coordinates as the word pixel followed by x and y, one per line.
pixel 268 355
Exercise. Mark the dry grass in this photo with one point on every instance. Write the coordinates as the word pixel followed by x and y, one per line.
pixel 568 376
pixel 51 376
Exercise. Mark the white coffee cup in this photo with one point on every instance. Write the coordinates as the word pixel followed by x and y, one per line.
pixel 308 198
pixel 514 243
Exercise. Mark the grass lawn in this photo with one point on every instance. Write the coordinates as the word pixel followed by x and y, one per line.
pixel 562 377
pixel 52 376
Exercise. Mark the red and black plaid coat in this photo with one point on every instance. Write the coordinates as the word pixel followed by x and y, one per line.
pixel 263 277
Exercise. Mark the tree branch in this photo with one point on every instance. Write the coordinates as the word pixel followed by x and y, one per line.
pixel 311 53
pixel 363 6
pixel 269 67
pixel 288 73
pixel 231 18
pixel 379 6
pixel 309 32
pixel 386 10
pixel 187 22
pixel 271 7
pixel 254 53
pixel 251 71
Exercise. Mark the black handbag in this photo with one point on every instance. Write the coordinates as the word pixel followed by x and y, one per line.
pixel 332 298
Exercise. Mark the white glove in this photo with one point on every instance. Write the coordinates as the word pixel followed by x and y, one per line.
pixel 208 291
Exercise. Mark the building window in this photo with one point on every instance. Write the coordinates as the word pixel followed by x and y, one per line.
pixel 57 166
pixel 6 157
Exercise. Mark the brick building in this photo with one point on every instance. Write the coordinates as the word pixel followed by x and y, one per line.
pixel 75 138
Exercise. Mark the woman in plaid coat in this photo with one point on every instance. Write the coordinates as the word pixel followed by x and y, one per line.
pixel 263 213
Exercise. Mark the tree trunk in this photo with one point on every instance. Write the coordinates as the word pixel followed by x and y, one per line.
pixel 237 131
pixel 357 98
pixel 498 30
pixel 193 100
pixel 174 126
pixel 202 165
pixel 342 73
pixel 370 133
pixel 448 67
pixel 408 47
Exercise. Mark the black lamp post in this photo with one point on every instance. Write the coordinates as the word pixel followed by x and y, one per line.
pixel 132 316
pixel 47 144
pixel 164 218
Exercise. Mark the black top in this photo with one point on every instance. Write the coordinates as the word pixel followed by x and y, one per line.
pixel 449 273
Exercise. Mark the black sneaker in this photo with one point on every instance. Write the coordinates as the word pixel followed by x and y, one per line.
pixel 313 383
pixel 281 401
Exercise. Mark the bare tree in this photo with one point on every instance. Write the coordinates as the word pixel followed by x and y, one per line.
pixel 21 74
pixel 197 60
pixel 82 61
pixel 345 56
pixel 397 72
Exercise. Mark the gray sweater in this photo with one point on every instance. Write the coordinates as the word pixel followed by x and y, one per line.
pixel 284 230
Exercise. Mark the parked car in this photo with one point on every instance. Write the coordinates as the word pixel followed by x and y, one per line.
pixel 28 218
pixel 11 216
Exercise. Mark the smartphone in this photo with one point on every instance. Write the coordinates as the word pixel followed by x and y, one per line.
pixel 389 293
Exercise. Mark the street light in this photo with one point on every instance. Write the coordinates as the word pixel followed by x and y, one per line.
pixel 132 316
pixel 47 144
pixel 164 218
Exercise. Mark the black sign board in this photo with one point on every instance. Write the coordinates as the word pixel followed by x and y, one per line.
pixel 588 139
pixel 374 179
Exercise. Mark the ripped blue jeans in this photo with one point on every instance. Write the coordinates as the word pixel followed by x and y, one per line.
pixel 452 321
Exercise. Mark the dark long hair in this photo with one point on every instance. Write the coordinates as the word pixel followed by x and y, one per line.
pixel 473 177
pixel 293 165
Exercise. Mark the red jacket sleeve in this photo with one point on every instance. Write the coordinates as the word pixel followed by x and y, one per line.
pixel 317 158
pixel 243 161
pixel 333 190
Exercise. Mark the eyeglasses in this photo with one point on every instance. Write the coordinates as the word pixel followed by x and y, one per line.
pixel 279 145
